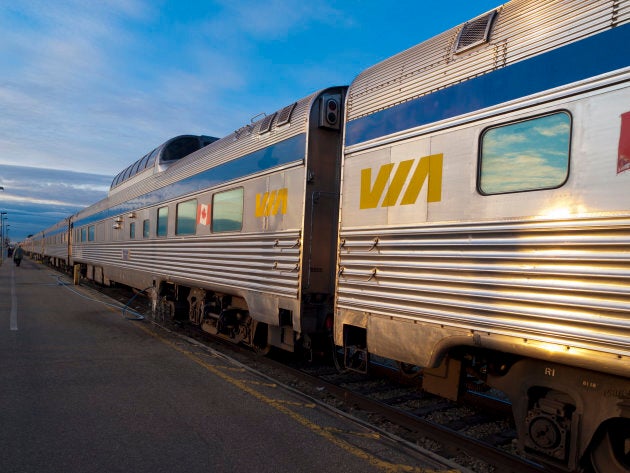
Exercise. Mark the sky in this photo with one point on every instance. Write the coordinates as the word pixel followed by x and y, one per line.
pixel 87 88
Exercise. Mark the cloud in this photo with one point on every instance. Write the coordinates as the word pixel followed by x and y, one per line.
pixel 35 199
pixel 517 172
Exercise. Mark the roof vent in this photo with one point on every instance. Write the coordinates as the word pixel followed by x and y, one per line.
pixel 285 115
pixel 265 124
pixel 475 32
pixel 242 131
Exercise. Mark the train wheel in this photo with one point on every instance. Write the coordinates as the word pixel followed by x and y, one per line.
pixel 408 370
pixel 611 450
pixel 165 310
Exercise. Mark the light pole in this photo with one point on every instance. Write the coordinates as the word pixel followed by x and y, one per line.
pixel 6 234
pixel 2 219
pixel 2 214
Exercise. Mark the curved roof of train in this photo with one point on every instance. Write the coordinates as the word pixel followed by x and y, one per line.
pixel 169 151
pixel 517 30
pixel 282 125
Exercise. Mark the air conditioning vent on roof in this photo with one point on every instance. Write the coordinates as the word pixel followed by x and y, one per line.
pixel 285 115
pixel 265 125
pixel 475 32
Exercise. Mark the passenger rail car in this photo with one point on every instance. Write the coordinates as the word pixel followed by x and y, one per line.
pixel 485 217
pixel 239 237
pixel 483 225
pixel 52 245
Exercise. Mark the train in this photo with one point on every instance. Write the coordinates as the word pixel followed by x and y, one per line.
pixel 462 207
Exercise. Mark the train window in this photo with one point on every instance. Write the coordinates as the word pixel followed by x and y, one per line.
pixel 83 234
pixel 227 211
pixel 186 219
pixel 91 233
pixel 134 171
pixel 151 159
pixel 527 155
pixel 179 148
pixel 132 230
pixel 145 228
pixel 143 162
pixel 162 221
pixel 126 174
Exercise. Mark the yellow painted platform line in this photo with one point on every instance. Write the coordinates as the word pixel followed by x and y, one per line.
pixel 308 405
pixel 281 407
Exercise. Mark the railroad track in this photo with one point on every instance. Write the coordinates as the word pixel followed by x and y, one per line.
pixel 476 433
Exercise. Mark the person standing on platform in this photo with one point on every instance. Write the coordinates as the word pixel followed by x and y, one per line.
pixel 17 255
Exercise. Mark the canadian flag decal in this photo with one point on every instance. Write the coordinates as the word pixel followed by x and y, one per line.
pixel 203 214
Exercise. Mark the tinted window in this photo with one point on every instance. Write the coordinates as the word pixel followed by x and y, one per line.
pixel 145 228
pixel 227 211
pixel 83 234
pixel 132 230
pixel 179 148
pixel 91 233
pixel 152 157
pixel 186 218
pixel 162 225
pixel 134 171
pixel 527 155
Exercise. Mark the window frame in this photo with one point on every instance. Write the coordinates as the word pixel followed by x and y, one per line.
pixel 480 152
pixel 146 228
pixel 162 218
pixel 214 212
pixel 179 221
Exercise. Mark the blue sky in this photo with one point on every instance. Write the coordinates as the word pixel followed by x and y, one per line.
pixel 87 88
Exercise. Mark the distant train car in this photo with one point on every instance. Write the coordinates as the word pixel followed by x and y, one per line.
pixel 51 245
pixel 485 219
pixel 238 237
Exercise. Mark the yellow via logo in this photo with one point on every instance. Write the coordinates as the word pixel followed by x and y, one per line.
pixel 270 203
pixel 428 167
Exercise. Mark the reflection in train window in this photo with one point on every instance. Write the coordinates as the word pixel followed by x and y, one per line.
pixel 91 233
pixel 83 234
pixel 527 155
pixel 145 228
pixel 162 221
pixel 227 211
pixel 186 218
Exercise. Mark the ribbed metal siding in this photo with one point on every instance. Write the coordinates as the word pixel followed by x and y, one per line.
pixel 260 262
pixel 558 281
pixel 522 29
pixel 57 251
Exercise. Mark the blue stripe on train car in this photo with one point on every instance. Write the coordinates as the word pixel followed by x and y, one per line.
pixel 285 152
pixel 589 57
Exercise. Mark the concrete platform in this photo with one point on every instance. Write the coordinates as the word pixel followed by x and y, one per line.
pixel 82 389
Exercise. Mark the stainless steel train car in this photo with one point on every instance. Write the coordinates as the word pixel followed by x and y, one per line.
pixel 485 219
pixel 238 237
pixel 462 207
pixel 52 245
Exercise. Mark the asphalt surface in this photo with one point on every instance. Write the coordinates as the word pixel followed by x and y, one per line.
pixel 83 389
